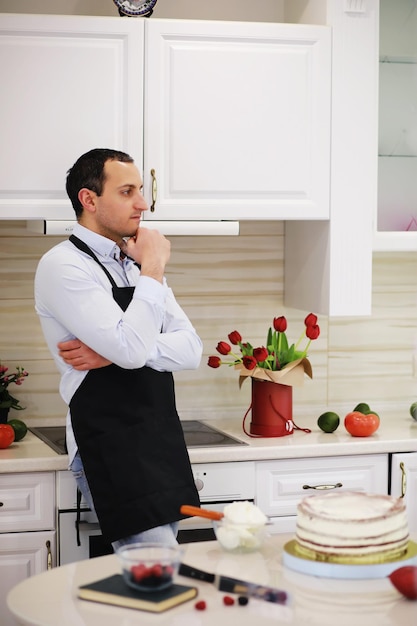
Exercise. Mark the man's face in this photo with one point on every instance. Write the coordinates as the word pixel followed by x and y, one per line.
pixel 119 208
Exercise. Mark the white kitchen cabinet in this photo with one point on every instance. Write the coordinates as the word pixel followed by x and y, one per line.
pixel 69 84
pixel 237 120
pixel 281 484
pixel 27 530
pixel 404 483
pixel 233 119
pixel 328 265
pixel 396 216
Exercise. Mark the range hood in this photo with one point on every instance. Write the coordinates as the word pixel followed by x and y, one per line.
pixel 218 228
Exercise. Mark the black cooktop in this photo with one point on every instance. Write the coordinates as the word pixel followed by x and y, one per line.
pixel 196 434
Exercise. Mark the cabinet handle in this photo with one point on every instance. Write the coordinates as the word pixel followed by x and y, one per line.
pixel 323 487
pixel 403 480
pixel 154 190
pixel 1 503
pixel 49 555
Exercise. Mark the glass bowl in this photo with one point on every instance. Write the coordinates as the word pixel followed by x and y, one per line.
pixel 239 538
pixel 149 566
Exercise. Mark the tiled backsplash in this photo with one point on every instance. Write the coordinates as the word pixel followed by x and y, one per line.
pixel 234 283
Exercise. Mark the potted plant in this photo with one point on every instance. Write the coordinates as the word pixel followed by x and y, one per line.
pixel 7 401
pixel 274 370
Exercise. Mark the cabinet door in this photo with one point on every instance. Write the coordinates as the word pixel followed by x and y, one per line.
pixel 396 219
pixel 27 502
pixel 404 483
pixel 68 84
pixel 280 485
pixel 22 555
pixel 237 120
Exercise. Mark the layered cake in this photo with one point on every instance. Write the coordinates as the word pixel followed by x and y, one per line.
pixel 352 528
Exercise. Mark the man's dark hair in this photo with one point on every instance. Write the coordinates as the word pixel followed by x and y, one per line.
pixel 88 172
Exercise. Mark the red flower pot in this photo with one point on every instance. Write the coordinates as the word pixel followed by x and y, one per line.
pixel 271 409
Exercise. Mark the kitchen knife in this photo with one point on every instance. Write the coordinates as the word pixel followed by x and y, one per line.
pixel 234 585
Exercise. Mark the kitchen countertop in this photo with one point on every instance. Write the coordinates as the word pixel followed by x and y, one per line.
pixel 394 435
pixel 49 599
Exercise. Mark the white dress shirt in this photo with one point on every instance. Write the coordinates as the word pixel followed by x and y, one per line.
pixel 73 298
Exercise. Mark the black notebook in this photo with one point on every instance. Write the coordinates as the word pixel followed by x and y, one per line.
pixel 114 590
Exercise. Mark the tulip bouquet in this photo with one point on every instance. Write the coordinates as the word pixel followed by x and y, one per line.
pixel 7 401
pixel 276 360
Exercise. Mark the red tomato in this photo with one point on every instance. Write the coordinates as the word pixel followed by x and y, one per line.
pixel 361 425
pixel 6 435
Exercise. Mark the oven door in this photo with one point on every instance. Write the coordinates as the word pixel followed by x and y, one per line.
pixel 85 542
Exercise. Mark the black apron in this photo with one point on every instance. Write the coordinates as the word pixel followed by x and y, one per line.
pixel 131 442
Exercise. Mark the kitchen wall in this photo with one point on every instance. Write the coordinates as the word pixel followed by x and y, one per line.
pixel 243 10
pixel 227 283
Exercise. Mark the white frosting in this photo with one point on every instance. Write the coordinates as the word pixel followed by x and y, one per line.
pixel 244 513
pixel 241 527
pixel 352 523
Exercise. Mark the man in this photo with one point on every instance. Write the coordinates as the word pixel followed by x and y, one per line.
pixel 116 334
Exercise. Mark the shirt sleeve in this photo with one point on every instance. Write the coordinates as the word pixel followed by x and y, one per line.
pixel 178 346
pixel 74 299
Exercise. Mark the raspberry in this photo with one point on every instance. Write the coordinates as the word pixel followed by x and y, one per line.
pixel 157 570
pixel 138 572
pixel 200 605
pixel 228 600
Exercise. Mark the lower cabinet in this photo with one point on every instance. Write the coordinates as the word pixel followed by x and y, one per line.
pixel 27 531
pixel 281 484
pixel 404 483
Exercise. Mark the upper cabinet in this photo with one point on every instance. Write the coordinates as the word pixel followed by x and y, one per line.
pixel 328 265
pixel 68 84
pixel 237 120
pixel 228 121
pixel 396 220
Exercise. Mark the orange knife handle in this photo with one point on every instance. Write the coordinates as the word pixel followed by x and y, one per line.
pixel 187 509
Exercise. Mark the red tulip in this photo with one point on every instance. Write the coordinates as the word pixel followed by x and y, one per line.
pixel 280 324
pixel 260 354
pixel 310 320
pixel 249 362
pixel 235 337
pixel 214 361
pixel 312 332
pixel 223 348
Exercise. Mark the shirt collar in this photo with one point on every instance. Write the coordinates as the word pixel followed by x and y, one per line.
pixel 100 245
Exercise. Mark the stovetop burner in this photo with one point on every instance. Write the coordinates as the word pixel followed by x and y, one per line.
pixel 196 434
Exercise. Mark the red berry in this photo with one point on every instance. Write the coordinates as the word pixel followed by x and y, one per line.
pixel 138 572
pixel 200 605
pixel 157 570
pixel 228 600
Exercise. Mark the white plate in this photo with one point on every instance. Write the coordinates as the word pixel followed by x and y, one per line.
pixel 303 565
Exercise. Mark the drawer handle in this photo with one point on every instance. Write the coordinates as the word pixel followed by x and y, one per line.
pixel 403 480
pixel 1 503
pixel 83 525
pixel 323 487
pixel 154 190
pixel 48 555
